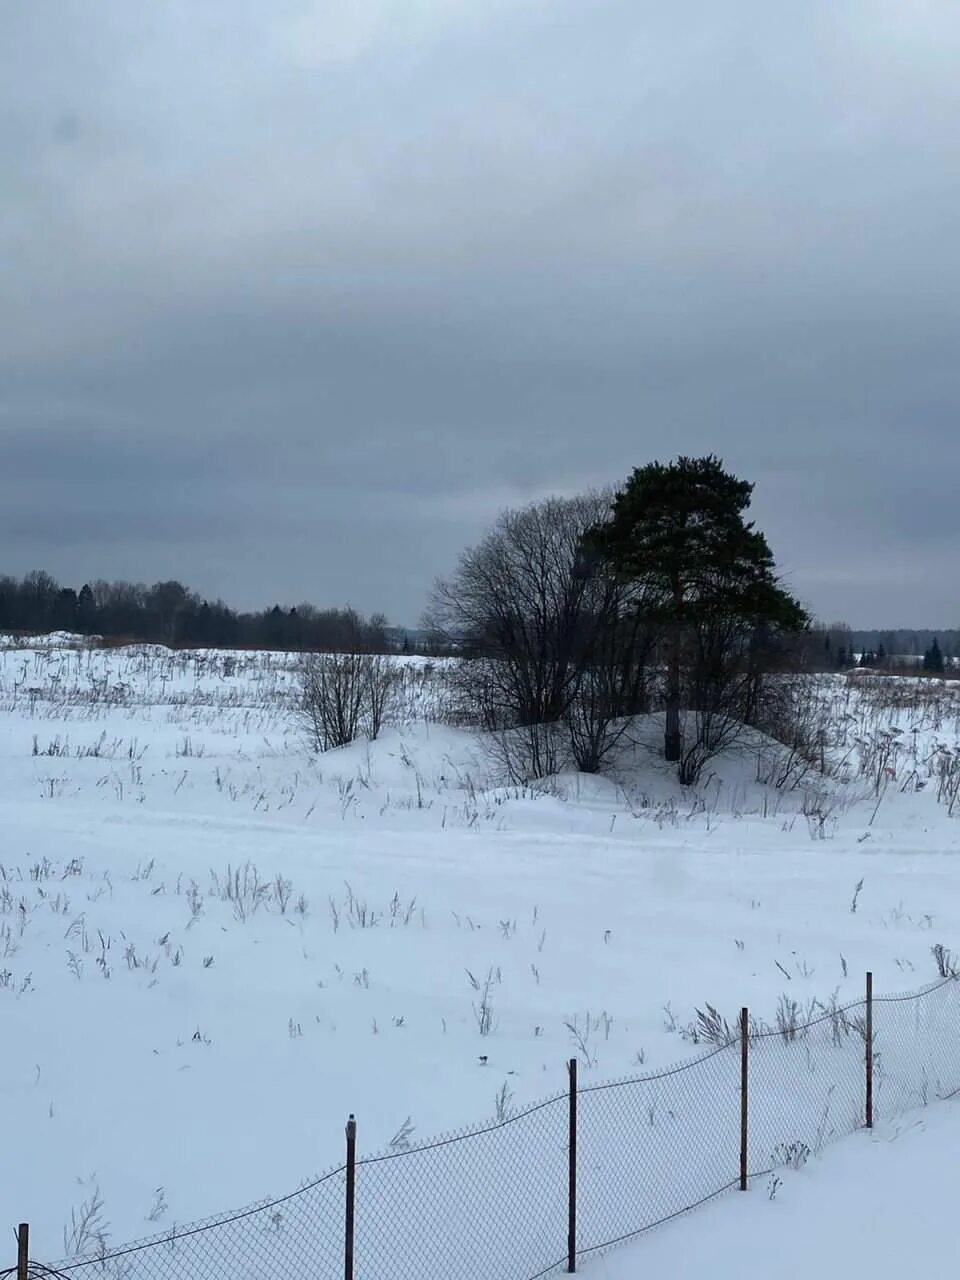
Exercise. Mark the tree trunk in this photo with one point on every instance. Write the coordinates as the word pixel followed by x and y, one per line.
pixel 672 738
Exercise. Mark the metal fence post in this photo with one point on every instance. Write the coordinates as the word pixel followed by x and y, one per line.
pixel 349 1216
pixel 23 1250
pixel 868 1037
pixel 572 1173
pixel 744 1063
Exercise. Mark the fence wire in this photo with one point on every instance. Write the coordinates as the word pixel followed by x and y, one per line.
pixel 916 1046
pixel 807 1086
pixel 489 1202
pixel 653 1146
pixel 296 1237
pixel 494 1200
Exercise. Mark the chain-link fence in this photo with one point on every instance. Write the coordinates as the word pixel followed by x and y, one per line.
pixel 535 1191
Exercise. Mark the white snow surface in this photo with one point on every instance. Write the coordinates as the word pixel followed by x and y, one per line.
pixel 184 1052
pixel 879 1204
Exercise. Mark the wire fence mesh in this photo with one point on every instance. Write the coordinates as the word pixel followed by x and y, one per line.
pixel 300 1234
pixel 807 1086
pixel 916 1045
pixel 654 1146
pixel 498 1200
pixel 490 1202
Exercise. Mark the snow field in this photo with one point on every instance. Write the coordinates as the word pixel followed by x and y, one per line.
pixel 214 947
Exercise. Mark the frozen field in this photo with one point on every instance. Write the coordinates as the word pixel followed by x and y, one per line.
pixel 213 946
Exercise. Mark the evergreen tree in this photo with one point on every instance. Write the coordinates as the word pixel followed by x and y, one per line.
pixel 64 614
pixel 933 658
pixel 679 530
pixel 86 610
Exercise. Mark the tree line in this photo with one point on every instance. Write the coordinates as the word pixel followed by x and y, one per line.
pixel 170 613
pixel 840 647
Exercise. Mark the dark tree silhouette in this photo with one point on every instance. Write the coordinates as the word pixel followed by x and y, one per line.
pixel 679 530
pixel 554 653
pixel 933 659
pixel 169 613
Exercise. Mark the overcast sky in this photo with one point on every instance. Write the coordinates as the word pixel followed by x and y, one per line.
pixel 297 294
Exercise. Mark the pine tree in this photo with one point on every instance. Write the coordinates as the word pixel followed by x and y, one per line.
pixel 679 530
pixel 933 658
pixel 86 610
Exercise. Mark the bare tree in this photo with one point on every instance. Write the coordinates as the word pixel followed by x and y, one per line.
pixel 716 688
pixel 539 621
pixel 734 678
pixel 614 684
pixel 380 676
pixel 332 689
pixel 344 696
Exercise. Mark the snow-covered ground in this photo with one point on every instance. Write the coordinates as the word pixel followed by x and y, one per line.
pixel 880 1204
pixel 213 946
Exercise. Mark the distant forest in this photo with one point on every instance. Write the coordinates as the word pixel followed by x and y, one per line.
pixel 169 613
pixel 840 641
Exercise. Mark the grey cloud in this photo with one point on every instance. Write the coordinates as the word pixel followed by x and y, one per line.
pixel 298 294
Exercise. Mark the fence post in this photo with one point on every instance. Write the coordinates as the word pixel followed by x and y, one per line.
pixel 744 1063
pixel 572 1174
pixel 349 1216
pixel 869 1049
pixel 23 1250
